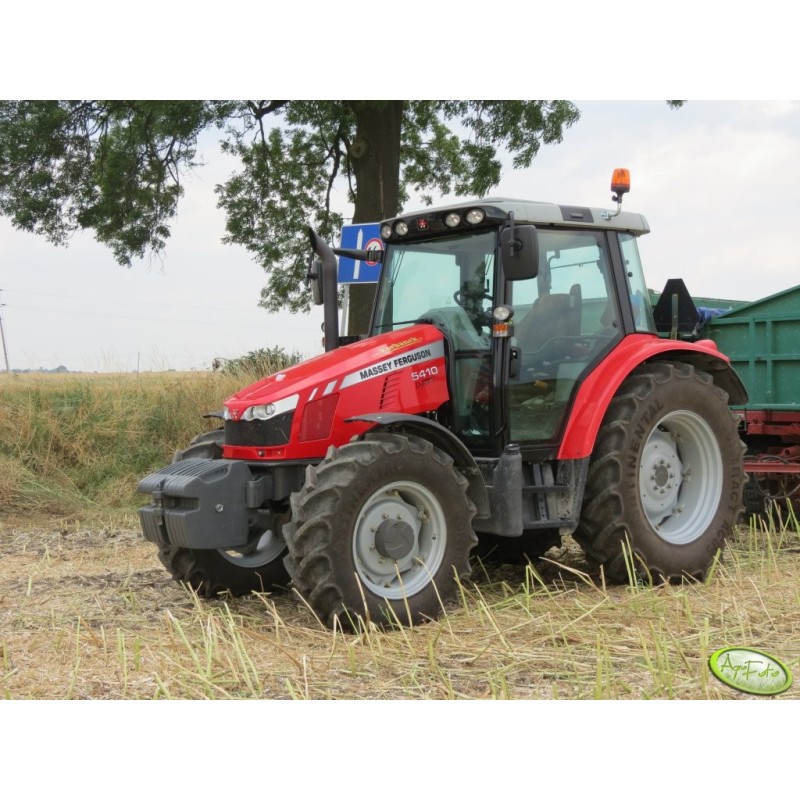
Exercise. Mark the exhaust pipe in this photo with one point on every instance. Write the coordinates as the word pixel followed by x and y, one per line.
pixel 327 285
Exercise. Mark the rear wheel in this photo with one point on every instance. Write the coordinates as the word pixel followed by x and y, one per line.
pixel 257 567
pixel 382 531
pixel 666 477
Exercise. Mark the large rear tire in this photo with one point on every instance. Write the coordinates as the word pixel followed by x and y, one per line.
pixel 255 568
pixel 665 479
pixel 381 531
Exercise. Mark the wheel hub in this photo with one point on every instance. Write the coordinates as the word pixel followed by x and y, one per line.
pixel 662 472
pixel 394 539
pixel 680 477
pixel 399 539
pixel 660 476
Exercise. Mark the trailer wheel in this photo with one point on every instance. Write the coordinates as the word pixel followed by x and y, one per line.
pixel 257 568
pixel 381 531
pixel 666 477
pixel 755 500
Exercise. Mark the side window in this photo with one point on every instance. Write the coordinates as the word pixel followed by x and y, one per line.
pixel 640 297
pixel 574 285
pixel 564 321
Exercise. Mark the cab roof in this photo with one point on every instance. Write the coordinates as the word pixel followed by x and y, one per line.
pixel 525 211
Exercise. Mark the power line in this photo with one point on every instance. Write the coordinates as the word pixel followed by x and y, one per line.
pixel 128 302
pixel 173 320
pixel 3 336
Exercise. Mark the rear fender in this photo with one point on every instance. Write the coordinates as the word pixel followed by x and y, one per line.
pixel 597 391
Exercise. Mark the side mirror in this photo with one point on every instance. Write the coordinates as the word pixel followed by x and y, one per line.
pixel 314 278
pixel 519 247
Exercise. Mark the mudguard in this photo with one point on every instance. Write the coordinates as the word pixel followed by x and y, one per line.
pixel 596 392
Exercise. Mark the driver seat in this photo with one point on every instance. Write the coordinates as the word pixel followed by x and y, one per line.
pixel 551 316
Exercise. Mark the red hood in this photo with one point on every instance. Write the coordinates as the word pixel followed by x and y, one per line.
pixel 329 367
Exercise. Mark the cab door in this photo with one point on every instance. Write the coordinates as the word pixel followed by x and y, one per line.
pixel 565 320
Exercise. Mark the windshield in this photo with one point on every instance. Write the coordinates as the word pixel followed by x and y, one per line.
pixel 448 282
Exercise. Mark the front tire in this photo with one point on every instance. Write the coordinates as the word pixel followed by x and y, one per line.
pixel 666 477
pixel 381 531
pixel 255 568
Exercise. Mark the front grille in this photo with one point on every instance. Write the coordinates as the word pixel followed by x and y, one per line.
pixel 259 432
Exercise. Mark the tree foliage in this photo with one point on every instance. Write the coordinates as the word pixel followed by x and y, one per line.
pixel 117 167
pixel 265 361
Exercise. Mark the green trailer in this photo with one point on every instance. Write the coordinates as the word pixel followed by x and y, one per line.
pixel 762 340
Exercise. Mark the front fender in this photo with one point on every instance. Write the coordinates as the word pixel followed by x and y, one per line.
pixel 597 391
pixel 440 437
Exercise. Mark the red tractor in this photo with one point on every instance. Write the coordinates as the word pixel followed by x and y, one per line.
pixel 512 387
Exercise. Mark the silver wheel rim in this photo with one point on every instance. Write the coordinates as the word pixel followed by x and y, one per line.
pixel 403 561
pixel 265 549
pixel 680 477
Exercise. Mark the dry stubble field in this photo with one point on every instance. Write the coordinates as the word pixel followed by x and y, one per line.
pixel 87 611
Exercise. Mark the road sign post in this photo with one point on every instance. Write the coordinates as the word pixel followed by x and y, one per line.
pixel 360 237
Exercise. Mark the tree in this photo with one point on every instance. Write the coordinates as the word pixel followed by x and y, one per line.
pixel 116 168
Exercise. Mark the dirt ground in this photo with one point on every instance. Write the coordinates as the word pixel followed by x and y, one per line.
pixel 84 608
pixel 88 612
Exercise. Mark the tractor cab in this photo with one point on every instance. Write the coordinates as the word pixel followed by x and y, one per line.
pixel 529 297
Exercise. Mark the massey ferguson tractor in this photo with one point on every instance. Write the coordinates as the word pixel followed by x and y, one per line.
pixel 512 386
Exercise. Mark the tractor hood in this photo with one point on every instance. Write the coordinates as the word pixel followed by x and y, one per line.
pixel 399 370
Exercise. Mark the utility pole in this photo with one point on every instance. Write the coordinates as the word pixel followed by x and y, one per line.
pixel 3 336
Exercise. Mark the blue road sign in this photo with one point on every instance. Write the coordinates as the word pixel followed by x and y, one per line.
pixel 360 237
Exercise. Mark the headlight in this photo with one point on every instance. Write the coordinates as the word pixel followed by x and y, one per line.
pixel 475 216
pixel 502 313
pixel 259 412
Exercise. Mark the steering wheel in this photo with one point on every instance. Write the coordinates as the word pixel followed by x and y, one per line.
pixel 460 297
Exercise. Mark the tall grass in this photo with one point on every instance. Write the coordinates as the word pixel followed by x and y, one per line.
pixel 73 443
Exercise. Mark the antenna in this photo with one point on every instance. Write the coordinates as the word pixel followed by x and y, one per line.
pixel 3 336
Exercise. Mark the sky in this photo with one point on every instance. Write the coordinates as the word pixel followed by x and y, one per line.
pixel 716 180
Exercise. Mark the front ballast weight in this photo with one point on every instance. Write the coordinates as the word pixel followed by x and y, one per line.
pixel 216 522
pixel 197 503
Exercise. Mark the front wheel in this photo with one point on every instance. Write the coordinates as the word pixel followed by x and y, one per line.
pixel 381 531
pixel 665 479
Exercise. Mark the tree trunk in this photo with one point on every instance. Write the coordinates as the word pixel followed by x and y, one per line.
pixel 375 156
